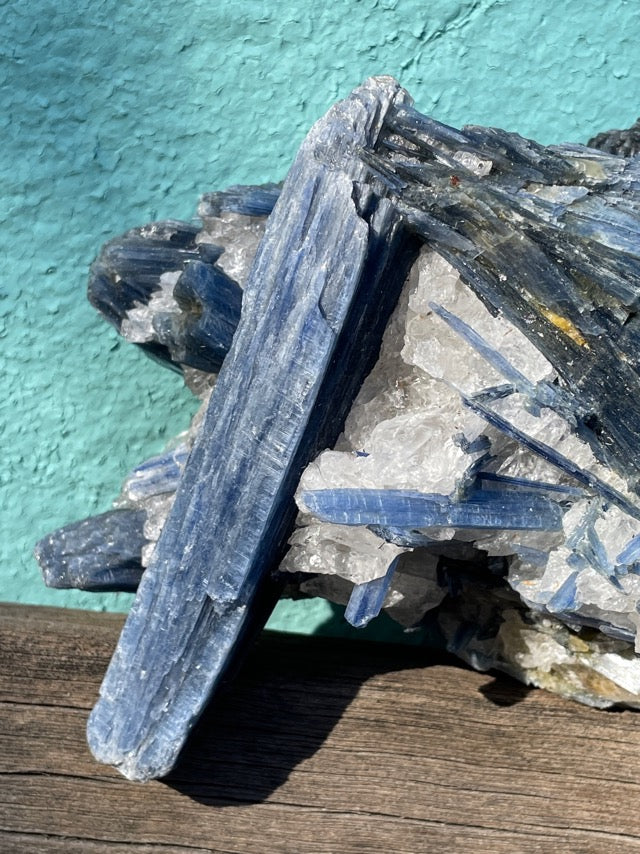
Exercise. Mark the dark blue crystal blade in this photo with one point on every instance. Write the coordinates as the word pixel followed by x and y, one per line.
pixel 158 475
pixel 502 481
pixel 548 237
pixel 551 455
pixel 198 328
pixel 256 200
pixel 129 267
pixel 564 600
pixel 631 552
pixel 201 334
pixel 496 359
pixel 99 554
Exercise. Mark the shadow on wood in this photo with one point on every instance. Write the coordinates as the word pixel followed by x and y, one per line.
pixel 283 705
pixel 320 746
pixel 501 690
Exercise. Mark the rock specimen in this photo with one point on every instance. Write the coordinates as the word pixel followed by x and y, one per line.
pixel 436 355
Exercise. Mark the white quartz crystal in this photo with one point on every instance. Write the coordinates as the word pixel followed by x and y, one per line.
pixel 353 553
pixel 137 325
pixel 599 671
pixel 480 166
pixel 405 427
pixel 432 345
pixel 240 235
pixel 551 429
pixel 415 588
pixel 403 432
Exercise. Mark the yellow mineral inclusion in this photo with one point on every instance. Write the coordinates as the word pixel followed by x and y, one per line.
pixel 576 644
pixel 564 325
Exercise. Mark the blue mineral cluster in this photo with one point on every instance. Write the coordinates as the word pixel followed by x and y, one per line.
pixel 419 373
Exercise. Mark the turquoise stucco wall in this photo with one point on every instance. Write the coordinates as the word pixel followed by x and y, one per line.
pixel 117 112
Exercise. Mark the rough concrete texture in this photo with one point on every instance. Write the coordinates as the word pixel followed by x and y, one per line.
pixel 114 114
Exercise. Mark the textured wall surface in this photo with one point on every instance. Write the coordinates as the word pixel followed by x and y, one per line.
pixel 117 112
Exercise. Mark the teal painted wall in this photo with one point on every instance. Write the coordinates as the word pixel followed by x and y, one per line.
pixel 117 112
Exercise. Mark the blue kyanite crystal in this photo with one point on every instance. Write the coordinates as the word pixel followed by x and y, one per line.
pixel 498 510
pixel 101 553
pixel 367 599
pixel 163 291
pixel 428 347
pixel 324 282
pixel 159 475
pixel 249 201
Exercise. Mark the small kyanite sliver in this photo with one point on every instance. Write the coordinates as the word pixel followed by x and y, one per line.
pixel 324 282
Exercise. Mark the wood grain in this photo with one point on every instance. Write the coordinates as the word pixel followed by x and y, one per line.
pixel 318 746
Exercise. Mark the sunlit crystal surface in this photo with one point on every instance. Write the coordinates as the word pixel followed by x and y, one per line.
pixel 473 466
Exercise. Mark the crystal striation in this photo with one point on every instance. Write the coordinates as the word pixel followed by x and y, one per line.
pixel 102 553
pixel 427 405
pixel 323 284
pixel 163 291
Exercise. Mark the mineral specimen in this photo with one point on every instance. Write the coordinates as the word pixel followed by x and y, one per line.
pixel 437 355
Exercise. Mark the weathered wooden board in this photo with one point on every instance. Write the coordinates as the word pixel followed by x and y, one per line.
pixel 319 746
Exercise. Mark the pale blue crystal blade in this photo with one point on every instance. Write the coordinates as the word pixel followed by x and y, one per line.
pixel 367 599
pixel 397 508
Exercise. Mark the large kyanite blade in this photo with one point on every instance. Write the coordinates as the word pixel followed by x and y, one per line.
pixel 325 280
